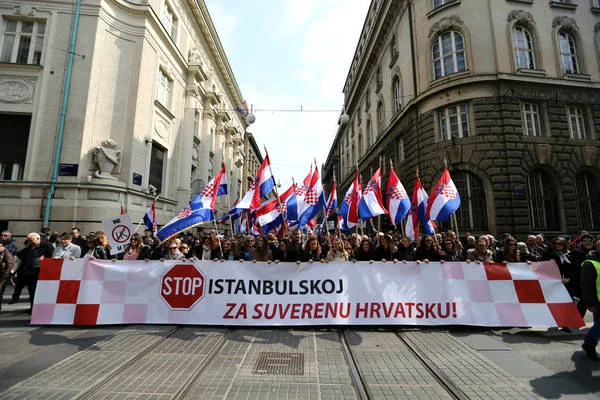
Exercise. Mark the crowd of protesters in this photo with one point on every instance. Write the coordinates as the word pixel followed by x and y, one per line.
pixel 20 267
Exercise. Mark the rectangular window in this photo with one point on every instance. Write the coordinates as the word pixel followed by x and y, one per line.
pixel 22 41
pixel 576 122
pixel 401 151
pixel 169 21
pixel 439 3
pixel 596 4
pixel 15 139
pixel 157 160
pixel 454 122
pixel 165 87
pixel 531 119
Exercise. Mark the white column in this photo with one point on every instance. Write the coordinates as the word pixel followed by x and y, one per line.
pixel 205 141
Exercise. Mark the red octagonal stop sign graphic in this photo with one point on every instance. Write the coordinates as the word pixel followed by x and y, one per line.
pixel 182 286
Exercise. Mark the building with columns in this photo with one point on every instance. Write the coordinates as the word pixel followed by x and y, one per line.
pixel 150 111
pixel 507 91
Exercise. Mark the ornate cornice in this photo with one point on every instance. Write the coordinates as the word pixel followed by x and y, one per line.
pixel 565 22
pixel 521 16
pixel 444 24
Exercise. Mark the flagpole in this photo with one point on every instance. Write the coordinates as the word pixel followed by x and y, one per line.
pixel 217 232
pixel 379 216
pixel 228 200
pixel 142 220
pixel 284 215
pixel 454 219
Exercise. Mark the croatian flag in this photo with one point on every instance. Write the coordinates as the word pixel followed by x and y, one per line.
pixel 243 109
pixel 331 204
pixel 412 226
pixel 223 182
pixel 150 218
pixel 268 216
pixel 444 199
pixel 234 214
pixel 398 202
pixel 285 197
pixel 349 207
pixel 371 204
pixel 315 199
pixel 200 210
pixel 418 208
pixel 296 205
pixel 246 201
pixel 265 183
pixel 332 201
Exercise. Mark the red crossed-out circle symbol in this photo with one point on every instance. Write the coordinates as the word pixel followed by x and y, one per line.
pixel 182 286
pixel 121 233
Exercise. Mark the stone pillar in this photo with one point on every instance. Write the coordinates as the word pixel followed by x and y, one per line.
pixel 208 126
pixel 229 166
pixel 184 144
pixel 219 143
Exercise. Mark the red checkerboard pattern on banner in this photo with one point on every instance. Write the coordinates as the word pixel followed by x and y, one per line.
pixel 95 292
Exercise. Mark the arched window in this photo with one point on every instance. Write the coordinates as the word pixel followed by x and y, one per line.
pixel 523 48
pixel 543 204
pixel 471 215
pixel 397 94
pixel 401 151
pixel 448 54
pixel 568 52
pixel 588 201
pixel 380 117
pixel 360 144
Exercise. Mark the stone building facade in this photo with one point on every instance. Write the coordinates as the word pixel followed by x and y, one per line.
pixel 151 110
pixel 507 91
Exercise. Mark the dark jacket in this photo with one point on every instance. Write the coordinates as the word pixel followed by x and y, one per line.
pixel 589 292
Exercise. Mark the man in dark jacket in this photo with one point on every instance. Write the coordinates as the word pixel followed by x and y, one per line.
pixel 31 259
pixel 9 243
pixel 590 290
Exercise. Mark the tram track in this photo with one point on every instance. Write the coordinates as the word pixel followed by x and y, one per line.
pixel 449 386
pixel 123 369
pixel 362 386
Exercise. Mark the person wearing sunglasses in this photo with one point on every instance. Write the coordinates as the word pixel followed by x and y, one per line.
pixel 173 252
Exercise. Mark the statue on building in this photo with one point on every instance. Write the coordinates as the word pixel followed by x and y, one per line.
pixel 107 156
pixel 194 56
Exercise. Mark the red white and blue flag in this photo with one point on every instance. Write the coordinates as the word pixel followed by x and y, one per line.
pixel 397 199
pixel 315 199
pixel 296 205
pixel 223 182
pixel 331 204
pixel 268 216
pixel 150 218
pixel 444 199
pixel 259 188
pixel 244 203
pixel 349 207
pixel 243 109
pixel 285 197
pixel 371 204
pixel 332 200
pixel 265 183
pixel 417 212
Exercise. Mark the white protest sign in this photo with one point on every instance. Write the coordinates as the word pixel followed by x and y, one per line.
pixel 119 231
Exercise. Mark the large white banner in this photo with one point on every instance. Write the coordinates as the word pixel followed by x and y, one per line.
pixel 95 292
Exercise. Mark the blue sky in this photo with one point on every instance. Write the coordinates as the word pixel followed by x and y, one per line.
pixel 286 55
